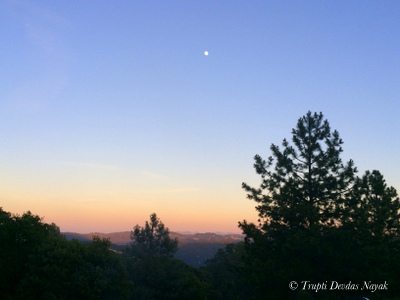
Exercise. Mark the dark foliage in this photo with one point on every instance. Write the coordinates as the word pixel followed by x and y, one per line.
pixel 152 268
pixel 318 220
pixel 152 239
pixel 38 262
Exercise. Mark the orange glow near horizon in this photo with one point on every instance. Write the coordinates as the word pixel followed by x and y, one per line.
pixel 87 219
pixel 109 214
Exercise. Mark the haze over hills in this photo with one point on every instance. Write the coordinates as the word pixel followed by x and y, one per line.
pixel 194 248
pixel 123 237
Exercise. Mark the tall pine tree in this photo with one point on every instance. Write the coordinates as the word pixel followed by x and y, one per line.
pixel 317 219
pixel 303 185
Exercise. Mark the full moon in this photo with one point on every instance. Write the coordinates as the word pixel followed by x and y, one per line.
pixel 206 53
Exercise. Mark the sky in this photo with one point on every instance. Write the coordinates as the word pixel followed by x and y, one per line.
pixel 110 110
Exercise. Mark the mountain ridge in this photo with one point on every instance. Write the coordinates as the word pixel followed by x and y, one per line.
pixel 123 237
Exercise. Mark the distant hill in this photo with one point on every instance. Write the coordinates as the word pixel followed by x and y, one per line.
pixel 194 248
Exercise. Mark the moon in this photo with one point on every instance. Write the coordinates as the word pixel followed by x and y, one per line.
pixel 206 53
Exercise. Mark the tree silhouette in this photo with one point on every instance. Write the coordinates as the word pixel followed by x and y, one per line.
pixel 318 221
pixel 37 262
pixel 303 185
pixel 154 273
pixel 153 239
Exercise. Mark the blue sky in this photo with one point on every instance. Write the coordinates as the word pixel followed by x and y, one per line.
pixel 111 111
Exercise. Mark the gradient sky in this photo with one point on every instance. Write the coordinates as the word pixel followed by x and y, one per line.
pixel 110 111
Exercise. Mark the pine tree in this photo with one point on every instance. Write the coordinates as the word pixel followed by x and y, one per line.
pixel 318 220
pixel 153 239
pixel 303 186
